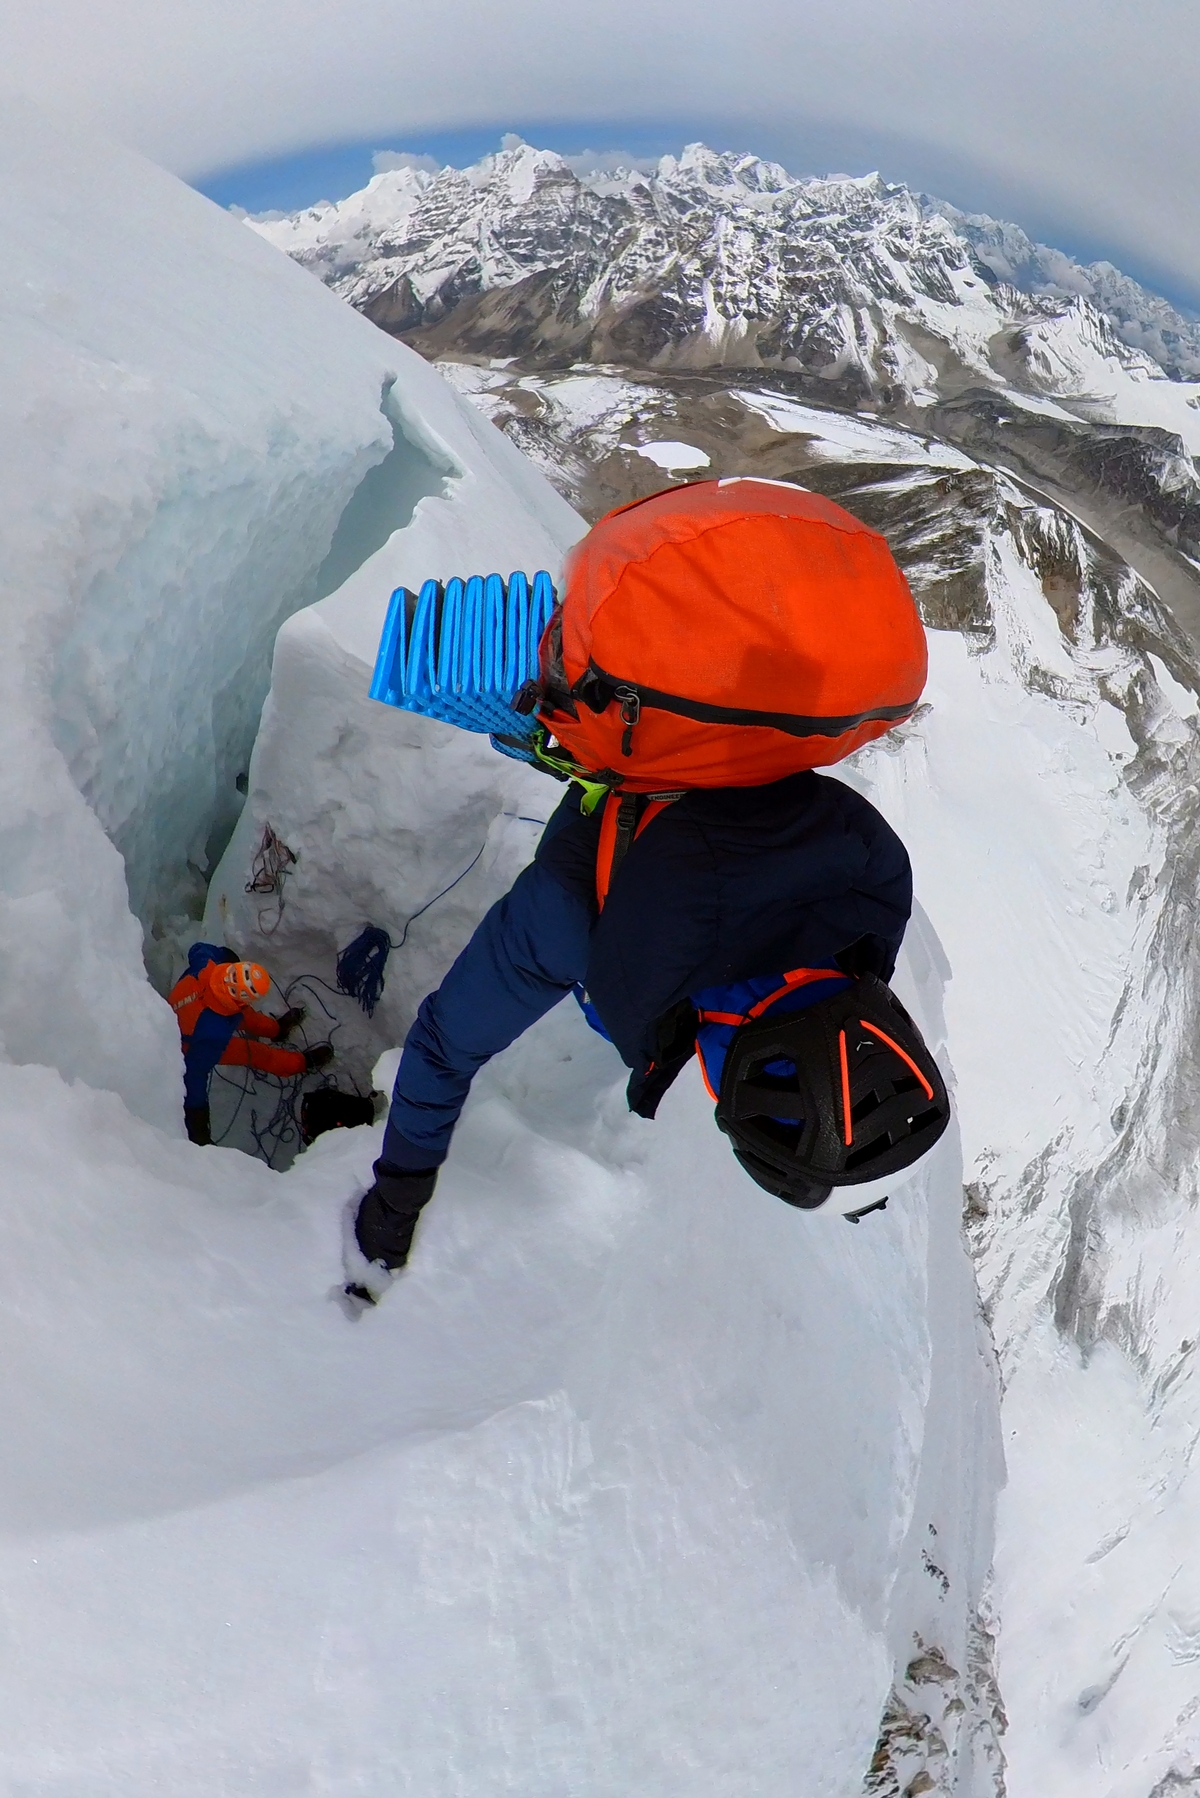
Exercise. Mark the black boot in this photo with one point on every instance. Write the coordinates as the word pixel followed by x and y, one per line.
pixel 387 1215
pixel 197 1122
pixel 287 1023
pixel 319 1057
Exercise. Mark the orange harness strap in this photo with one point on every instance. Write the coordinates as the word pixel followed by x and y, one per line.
pixel 847 1119
pixel 620 827
pixel 796 977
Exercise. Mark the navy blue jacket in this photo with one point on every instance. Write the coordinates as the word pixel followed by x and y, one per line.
pixel 212 1035
pixel 721 886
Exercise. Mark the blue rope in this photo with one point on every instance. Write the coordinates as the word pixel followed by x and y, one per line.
pixel 360 967
pixel 360 974
pixel 361 963
pixel 442 894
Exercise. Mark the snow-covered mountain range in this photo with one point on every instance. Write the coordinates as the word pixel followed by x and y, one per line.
pixel 709 259
pixel 849 293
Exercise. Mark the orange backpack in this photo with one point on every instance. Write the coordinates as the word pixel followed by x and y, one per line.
pixel 728 633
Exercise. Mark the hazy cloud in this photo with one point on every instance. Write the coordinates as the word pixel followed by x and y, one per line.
pixel 384 160
pixel 1076 118
pixel 609 162
pixel 591 162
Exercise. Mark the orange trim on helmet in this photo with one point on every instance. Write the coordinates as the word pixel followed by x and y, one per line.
pixel 245 981
pixel 907 1059
pixel 849 1124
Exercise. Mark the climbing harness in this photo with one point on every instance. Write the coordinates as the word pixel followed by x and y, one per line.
pixel 625 817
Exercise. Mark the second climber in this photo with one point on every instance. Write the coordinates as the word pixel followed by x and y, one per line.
pixel 214 1005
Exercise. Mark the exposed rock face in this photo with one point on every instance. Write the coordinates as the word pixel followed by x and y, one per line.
pixel 942 1728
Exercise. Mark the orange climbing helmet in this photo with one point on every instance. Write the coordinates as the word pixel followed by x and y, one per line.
pixel 244 981
pixel 728 633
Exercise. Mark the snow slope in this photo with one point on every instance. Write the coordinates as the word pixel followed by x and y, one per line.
pixel 1049 800
pixel 639 1481
pixel 1051 811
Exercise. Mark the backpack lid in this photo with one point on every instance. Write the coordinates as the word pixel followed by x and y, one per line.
pixel 728 633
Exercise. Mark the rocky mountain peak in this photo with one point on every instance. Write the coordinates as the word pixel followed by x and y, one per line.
pixel 712 258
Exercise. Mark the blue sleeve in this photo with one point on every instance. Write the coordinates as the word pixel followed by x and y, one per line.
pixel 205 1047
pixel 526 955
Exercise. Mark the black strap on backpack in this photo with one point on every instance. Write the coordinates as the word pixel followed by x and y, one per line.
pixel 624 818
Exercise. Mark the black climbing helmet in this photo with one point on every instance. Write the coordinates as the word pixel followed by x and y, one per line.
pixel 842 1095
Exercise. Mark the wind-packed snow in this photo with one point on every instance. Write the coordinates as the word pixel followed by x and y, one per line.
pixel 637 1480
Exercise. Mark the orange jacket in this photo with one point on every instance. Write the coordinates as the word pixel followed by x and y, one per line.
pixel 206 991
